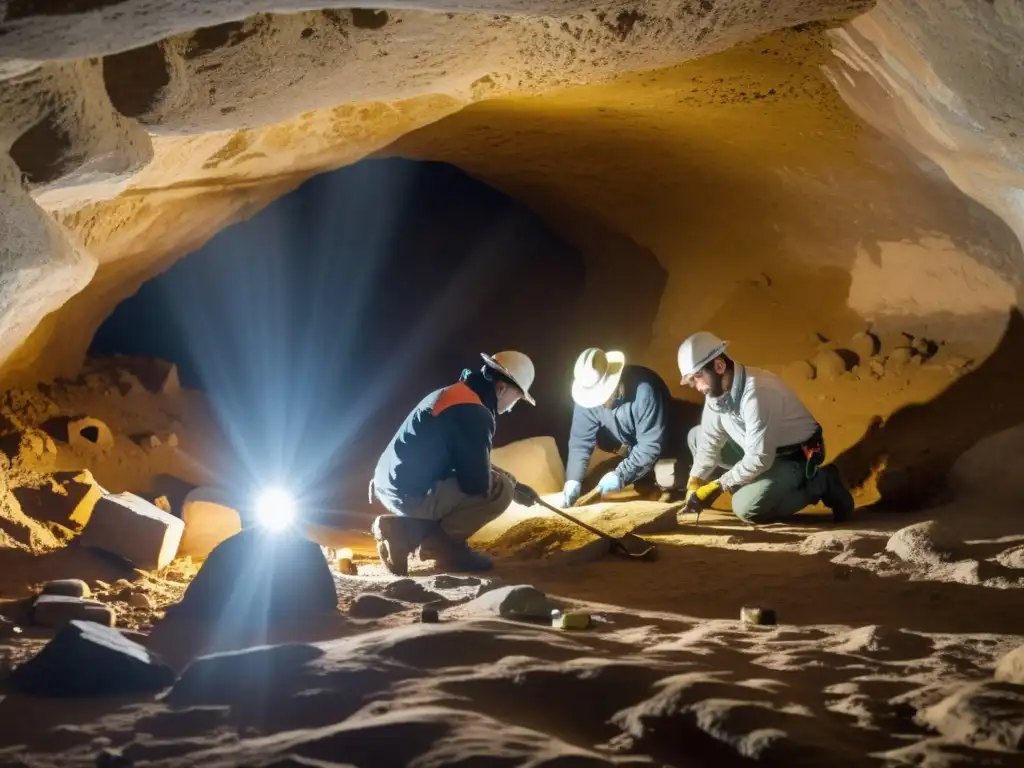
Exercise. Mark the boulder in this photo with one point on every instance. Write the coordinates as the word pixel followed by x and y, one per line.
pixel 88 434
pixel 67 588
pixel 86 659
pixel 516 602
pixel 55 611
pixel 130 527
pixel 534 461
pixel 209 519
pixel 257 578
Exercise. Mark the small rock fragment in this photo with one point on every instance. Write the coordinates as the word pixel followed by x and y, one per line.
pixel 410 591
pixel 140 600
pixel 371 606
pixel 88 659
pixel 67 587
pixel 516 602
pixel 429 615
pixel 55 611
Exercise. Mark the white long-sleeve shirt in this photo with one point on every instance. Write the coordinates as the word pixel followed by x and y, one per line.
pixel 770 416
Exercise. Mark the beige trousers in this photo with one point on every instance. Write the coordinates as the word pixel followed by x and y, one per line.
pixel 460 514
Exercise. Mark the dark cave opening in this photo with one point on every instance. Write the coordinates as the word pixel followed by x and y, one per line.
pixel 315 325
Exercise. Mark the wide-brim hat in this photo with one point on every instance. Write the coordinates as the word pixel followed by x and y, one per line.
pixel 516 367
pixel 596 376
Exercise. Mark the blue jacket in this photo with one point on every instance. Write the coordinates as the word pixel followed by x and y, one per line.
pixel 448 434
pixel 639 419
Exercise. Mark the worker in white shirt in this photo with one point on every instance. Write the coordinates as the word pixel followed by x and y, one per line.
pixel 756 429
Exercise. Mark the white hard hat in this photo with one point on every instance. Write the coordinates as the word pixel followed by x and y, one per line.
pixel 517 367
pixel 596 375
pixel 697 351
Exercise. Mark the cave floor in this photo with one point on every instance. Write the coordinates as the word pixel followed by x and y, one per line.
pixel 878 658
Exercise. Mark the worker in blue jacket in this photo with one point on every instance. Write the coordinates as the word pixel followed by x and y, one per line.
pixel 628 410
pixel 436 478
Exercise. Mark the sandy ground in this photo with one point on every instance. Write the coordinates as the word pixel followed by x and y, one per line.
pixel 889 633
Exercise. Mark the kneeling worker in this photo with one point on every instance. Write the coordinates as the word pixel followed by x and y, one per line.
pixel 624 409
pixel 755 428
pixel 436 477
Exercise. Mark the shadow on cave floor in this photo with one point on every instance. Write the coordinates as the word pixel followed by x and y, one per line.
pixel 920 443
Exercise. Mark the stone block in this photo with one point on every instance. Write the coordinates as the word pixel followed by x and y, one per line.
pixel 130 527
pixel 55 611
pixel 209 519
pixel 534 461
pixel 86 659
pixel 67 588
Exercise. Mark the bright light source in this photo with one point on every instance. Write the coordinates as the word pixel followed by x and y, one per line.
pixel 275 508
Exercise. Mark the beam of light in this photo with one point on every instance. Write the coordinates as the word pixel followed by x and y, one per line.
pixel 274 360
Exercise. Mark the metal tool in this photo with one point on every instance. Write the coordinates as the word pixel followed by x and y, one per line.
pixel 629 545
pixel 587 497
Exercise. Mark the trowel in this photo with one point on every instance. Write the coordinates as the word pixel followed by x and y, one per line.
pixel 629 545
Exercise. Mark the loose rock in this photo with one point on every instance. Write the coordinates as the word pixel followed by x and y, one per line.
pixel 259 578
pixel 449 581
pixel 130 527
pixel 374 607
pixel 1010 668
pixel 209 519
pixel 922 543
pixel 410 591
pixel 140 600
pixel 55 611
pixel 517 602
pixel 986 715
pixel 67 588
pixel 86 659
pixel 900 357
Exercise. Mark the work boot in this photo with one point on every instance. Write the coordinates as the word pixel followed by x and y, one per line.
pixel 396 538
pixel 836 496
pixel 451 555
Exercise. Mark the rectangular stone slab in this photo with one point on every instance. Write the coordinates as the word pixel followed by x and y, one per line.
pixel 55 611
pixel 130 527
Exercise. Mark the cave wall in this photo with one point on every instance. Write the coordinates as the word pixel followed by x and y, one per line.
pixel 778 215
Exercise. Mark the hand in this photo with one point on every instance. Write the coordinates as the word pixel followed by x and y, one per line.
pixel 571 492
pixel 525 495
pixel 703 497
pixel 610 483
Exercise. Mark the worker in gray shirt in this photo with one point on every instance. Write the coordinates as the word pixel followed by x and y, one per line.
pixel 756 435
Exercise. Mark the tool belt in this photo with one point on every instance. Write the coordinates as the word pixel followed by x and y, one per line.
pixel 811 452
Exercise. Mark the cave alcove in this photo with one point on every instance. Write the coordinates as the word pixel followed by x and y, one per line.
pixel 315 325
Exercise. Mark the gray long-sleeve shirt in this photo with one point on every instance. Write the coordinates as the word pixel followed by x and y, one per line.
pixel 767 416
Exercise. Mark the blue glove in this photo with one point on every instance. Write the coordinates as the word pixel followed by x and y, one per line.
pixel 571 492
pixel 610 483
